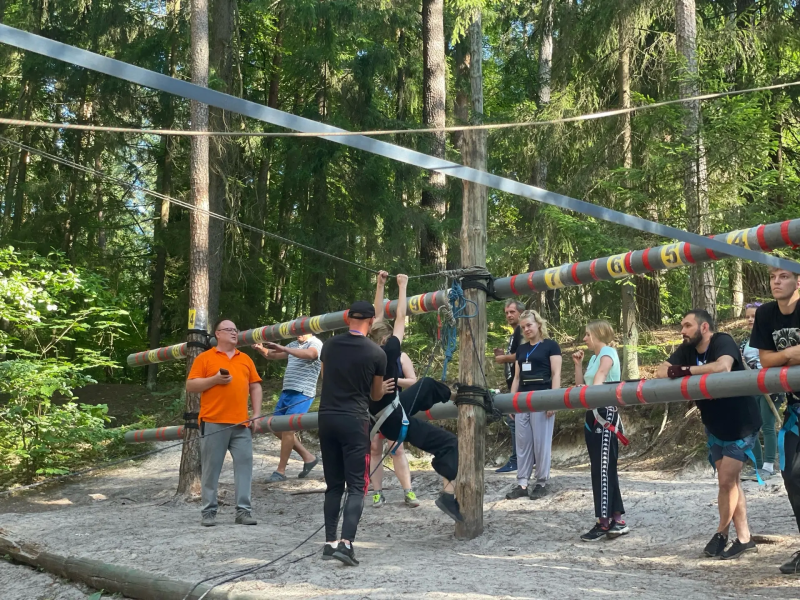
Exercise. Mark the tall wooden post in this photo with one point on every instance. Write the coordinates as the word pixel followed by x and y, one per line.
pixel 189 477
pixel 472 351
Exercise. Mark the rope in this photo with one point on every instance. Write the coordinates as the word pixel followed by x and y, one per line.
pixel 456 310
pixel 381 132
pixel 182 203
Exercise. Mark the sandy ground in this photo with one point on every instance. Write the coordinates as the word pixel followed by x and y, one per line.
pixel 529 549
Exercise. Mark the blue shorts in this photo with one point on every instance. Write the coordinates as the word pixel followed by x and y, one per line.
pixel 733 450
pixel 293 403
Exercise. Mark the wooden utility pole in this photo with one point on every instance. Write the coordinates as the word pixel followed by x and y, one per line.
pixel 198 239
pixel 472 352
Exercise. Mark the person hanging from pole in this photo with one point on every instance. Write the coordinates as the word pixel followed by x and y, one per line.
pixel 406 377
pixel 353 367
pixel 765 458
pixel 508 359
pixel 392 413
pixel 299 388
pixel 776 334
pixel 538 368
pixel 225 378
pixel 731 424
pixel 603 431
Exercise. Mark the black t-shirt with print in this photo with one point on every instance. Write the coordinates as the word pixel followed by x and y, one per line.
pixel 537 375
pixel 729 419
pixel 349 364
pixel 513 343
pixel 776 331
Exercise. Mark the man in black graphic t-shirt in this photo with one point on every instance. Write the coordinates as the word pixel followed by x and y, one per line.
pixel 776 334
pixel 731 424
pixel 353 367
pixel 508 359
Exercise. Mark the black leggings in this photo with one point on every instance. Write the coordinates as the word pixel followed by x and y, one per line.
pixel 603 453
pixel 344 445
pixel 791 472
pixel 422 434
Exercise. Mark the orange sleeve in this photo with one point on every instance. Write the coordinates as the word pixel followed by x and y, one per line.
pixel 198 369
pixel 254 376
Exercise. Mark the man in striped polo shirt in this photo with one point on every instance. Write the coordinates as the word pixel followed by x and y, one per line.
pixel 299 389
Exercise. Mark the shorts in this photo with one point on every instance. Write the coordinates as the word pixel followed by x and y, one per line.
pixel 292 403
pixel 733 451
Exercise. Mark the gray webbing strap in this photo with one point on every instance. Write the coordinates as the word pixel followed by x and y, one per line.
pixel 383 415
pixel 115 68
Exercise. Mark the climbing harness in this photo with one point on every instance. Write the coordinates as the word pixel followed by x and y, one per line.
pixel 715 441
pixel 617 431
pixel 790 425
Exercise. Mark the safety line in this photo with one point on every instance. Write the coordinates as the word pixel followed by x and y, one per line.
pixel 378 132
pixel 182 203
pixel 121 70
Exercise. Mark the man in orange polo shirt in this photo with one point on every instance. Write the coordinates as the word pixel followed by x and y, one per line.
pixel 226 377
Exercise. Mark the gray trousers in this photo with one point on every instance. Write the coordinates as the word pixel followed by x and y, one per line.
pixel 213 448
pixel 534 438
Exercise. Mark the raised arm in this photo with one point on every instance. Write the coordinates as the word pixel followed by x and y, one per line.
pixel 400 318
pixel 379 288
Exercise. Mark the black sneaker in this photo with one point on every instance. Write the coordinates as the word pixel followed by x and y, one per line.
pixel 737 548
pixel 538 492
pixel 618 528
pixel 448 504
pixel 327 551
pixel 517 492
pixel 716 546
pixel 598 532
pixel 792 566
pixel 345 554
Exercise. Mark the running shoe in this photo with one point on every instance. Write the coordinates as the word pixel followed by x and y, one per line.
pixel 792 566
pixel 716 546
pixel 448 504
pixel 378 500
pixel 597 532
pixel 738 548
pixel 517 492
pixel 345 554
pixel 327 551
pixel 538 492
pixel 245 518
pixel 209 520
pixel 749 474
pixel 618 528
pixel 509 467
pixel 411 499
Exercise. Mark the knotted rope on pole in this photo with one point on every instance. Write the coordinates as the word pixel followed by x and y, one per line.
pixel 474 395
pixel 457 309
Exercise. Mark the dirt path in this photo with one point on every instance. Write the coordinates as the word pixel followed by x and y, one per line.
pixel 529 549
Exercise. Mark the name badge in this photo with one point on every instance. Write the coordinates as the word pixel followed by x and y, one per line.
pixel 526 366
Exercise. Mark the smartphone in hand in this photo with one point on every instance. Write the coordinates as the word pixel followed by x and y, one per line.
pixel 224 372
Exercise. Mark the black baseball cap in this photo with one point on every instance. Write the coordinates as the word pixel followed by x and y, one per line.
pixel 361 309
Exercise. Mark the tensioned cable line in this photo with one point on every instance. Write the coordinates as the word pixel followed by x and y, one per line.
pixel 378 132
pixel 181 203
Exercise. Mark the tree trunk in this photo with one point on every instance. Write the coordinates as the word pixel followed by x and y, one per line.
pixel 472 353
pixel 189 478
pixel 630 325
pixel 737 293
pixel 695 178
pixel 221 150
pixel 433 249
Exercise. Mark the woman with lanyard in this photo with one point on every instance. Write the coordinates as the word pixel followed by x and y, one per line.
pixel 392 413
pixel 538 368
pixel 766 459
pixel 380 333
pixel 603 428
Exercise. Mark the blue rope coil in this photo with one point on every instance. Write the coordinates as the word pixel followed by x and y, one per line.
pixel 449 334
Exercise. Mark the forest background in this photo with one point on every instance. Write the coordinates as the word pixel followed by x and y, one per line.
pixel 91 270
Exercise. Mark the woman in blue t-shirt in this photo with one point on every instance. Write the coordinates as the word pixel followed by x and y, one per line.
pixel 538 368
pixel 603 428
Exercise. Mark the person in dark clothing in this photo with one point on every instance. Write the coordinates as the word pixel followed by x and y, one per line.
pixel 389 412
pixel 732 424
pixel 353 367
pixel 776 334
pixel 513 309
